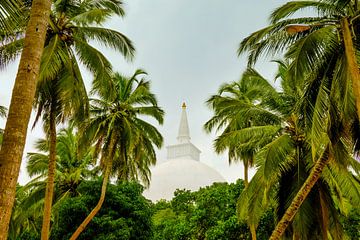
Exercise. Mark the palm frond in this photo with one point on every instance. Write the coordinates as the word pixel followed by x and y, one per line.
pixel 288 9
pixel 110 38
pixel 277 157
pixel 10 51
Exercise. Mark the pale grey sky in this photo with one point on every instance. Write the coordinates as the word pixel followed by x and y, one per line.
pixel 188 48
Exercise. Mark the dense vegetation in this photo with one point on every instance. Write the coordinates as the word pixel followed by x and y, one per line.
pixel 209 213
pixel 302 138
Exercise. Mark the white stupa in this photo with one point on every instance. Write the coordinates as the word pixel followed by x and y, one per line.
pixel 183 169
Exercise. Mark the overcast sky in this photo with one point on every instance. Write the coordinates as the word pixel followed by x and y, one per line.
pixel 188 48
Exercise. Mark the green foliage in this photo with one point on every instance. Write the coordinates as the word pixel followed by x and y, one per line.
pixel 209 213
pixel 126 214
pixel 352 224
pixel 116 119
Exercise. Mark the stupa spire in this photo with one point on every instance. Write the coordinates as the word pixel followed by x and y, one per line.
pixel 184 132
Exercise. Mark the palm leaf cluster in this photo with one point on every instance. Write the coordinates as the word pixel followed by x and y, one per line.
pixel 72 167
pixel 117 131
pixel 11 15
pixel 317 132
pixel 61 97
pixel 281 150
pixel 114 138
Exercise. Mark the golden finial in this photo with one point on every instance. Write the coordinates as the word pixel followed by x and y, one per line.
pixel 183 105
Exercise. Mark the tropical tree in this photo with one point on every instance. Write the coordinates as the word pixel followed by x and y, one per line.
pixel 20 108
pixel 251 113
pixel 72 167
pixel 126 214
pixel 322 55
pixel 239 105
pixel 124 142
pixel 283 158
pixel 61 92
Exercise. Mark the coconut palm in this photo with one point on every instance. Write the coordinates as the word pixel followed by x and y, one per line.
pixel 251 113
pixel 61 91
pixel 283 157
pixel 322 55
pixel 72 167
pixel 20 108
pixel 283 160
pixel 237 106
pixel 57 100
pixel 125 142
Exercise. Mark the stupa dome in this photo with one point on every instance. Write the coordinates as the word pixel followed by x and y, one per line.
pixel 182 170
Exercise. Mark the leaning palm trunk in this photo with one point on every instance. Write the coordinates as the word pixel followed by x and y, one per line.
pixel 20 109
pixel 300 197
pixel 51 178
pixel 351 61
pixel 98 205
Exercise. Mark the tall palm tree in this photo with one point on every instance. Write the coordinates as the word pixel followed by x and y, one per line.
pixel 20 108
pixel 239 105
pixel 61 92
pixel 321 50
pixel 283 161
pixel 124 141
pixel 55 106
pixel 72 167
pixel 252 114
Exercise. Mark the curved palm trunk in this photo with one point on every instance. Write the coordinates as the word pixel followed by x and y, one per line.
pixel 300 197
pixel 20 109
pixel 351 61
pixel 51 178
pixel 102 196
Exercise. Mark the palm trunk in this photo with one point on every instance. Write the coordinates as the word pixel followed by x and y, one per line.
pixel 20 109
pixel 51 177
pixel 102 196
pixel 253 232
pixel 300 197
pixel 98 205
pixel 351 61
pixel 246 173
pixel 324 216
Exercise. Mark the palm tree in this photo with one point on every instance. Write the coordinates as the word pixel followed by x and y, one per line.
pixel 237 106
pixel 324 62
pixel 251 113
pixel 282 155
pixel 60 91
pixel 125 143
pixel 20 108
pixel 283 165
pixel 55 106
pixel 72 167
